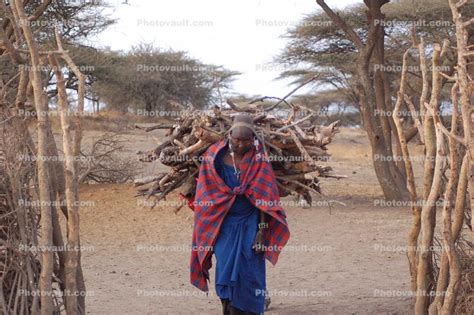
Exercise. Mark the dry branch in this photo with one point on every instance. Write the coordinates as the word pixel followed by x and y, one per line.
pixel 293 145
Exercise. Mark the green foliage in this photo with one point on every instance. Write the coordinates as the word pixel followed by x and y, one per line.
pixel 316 45
pixel 149 79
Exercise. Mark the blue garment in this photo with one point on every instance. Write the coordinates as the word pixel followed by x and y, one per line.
pixel 240 273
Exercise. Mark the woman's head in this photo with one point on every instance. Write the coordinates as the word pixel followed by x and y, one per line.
pixel 242 133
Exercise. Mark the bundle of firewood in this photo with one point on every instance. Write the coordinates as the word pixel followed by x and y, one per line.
pixel 294 146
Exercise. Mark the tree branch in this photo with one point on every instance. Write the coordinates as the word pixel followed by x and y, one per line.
pixel 351 34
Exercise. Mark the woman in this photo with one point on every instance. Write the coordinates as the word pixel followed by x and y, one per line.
pixel 237 216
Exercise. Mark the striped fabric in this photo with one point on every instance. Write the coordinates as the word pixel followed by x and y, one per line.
pixel 214 198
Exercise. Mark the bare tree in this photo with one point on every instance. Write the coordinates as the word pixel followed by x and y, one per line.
pixel 442 284
pixel 56 181
pixel 41 105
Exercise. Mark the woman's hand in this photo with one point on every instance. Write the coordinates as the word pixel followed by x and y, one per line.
pixel 258 243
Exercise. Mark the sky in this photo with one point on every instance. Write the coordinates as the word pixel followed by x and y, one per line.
pixel 242 36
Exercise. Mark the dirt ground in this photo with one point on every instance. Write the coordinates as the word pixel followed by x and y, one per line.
pixel 347 259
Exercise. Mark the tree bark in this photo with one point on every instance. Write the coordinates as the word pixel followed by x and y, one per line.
pixel 41 105
pixel 73 244
pixel 416 209
pixel 76 152
pixel 433 169
pixel 465 90
pixel 374 98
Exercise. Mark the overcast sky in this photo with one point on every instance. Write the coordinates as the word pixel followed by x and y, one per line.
pixel 240 35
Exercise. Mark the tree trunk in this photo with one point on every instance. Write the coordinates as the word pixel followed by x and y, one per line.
pixel 72 198
pixel 76 153
pixel 374 96
pixel 389 178
pixel 41 105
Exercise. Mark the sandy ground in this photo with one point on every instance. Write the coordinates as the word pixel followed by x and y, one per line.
pixel 344 260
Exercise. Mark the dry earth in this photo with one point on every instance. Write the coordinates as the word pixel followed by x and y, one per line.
pixel 345 260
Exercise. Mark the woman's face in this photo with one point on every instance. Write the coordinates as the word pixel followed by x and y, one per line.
pixel 241 140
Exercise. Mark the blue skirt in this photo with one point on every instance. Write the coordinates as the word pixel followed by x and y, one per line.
pixel 240 273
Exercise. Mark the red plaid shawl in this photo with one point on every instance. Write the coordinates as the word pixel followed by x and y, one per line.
pixel 214 198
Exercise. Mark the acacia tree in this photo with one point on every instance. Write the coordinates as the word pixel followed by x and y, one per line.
pixel 374 96
pixel 151 79
pixel 354 51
